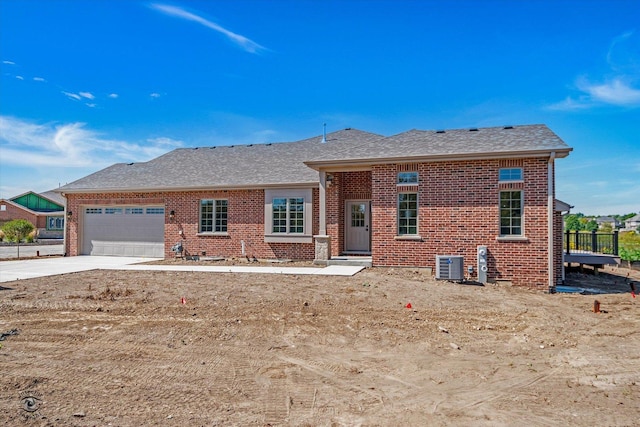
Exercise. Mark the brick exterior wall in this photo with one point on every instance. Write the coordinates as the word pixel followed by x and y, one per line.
pixel 12 212
pixel 458 209
pixel 245 222
pixel 39 220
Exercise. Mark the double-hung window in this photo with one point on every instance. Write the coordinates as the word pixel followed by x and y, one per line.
pixel 407 214
pixel 213 216
pixel 511 201
pixel 511 213
pixel 288 216
pixel 407 183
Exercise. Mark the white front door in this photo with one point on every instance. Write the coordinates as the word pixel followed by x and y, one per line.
pixel 358 226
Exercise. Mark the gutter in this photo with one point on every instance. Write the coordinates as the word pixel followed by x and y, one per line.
pixel 319 164
pixel 178 189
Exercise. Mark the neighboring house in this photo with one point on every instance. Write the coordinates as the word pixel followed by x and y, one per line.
pixel 602 220
pixel 632 223
pixel 44 210
pixel 402 199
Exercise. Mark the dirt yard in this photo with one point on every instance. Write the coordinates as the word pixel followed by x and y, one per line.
pixel 120 348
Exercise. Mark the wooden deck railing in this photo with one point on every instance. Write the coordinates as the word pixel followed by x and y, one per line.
pixel 591 242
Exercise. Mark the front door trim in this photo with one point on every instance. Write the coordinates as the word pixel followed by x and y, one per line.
pixel 357 226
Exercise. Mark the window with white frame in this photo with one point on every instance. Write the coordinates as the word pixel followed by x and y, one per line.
pixel 510 174
pixel 213 216
pixel 407 178
pixel 511 213
pixel 288 215
pixel 55 223
pixel 407 214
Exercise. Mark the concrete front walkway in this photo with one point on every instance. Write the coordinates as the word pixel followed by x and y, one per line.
pixel 28 269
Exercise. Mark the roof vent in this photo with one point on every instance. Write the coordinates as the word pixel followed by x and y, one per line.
pixel 473 130
pixel 347 128
pixel 508 127
pixel 324 133
pixel 129 164
pixel 231 146
pixel 211 148
pixel 440 131
pixel 250 145
pixel 269 145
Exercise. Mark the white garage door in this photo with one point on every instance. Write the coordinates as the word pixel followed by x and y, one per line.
pixel 123 231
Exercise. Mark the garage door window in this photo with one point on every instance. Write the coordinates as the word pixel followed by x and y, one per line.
pixel 155 211
pixel 94 211
pixel 113 211
pixel 133 211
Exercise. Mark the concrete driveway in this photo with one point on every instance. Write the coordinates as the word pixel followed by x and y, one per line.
pixel 41 267
pixel 30 268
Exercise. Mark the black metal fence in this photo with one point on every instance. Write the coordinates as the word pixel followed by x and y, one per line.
pixel 591 242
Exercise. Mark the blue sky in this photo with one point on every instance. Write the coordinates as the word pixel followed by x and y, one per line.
pixel 85 84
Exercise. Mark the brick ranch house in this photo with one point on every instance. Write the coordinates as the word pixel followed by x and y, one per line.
pixel 401 199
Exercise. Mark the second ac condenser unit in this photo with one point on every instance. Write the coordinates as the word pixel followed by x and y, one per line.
pixel 450 267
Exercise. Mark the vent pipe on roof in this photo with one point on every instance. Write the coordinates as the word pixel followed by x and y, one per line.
pixel 324 133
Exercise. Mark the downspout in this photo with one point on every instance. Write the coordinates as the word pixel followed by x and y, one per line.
pixel 66 219
pixel 550 210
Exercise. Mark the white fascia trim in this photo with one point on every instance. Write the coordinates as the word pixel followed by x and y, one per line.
pixel 326 164
pixel 189 189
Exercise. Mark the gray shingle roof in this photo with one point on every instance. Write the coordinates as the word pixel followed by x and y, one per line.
pixel 485 142
pixel 54 197
pixel 264 165
pixel 241 166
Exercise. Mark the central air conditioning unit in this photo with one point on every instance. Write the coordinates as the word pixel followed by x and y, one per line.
pixel 450 267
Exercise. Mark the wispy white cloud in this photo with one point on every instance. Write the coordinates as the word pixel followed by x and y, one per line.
pixel 240 40
pixel 9 62
pixel 41 157
pixel 620 88
pixel 165 142
pixel 80 96
pixel 19 77
pixel 73 95
pixel 39 79
pixel 26 143
pixel 155 95
pixel 615 92
pixel 113 95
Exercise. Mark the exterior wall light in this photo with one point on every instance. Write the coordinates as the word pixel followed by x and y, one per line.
pixel 172 215
pixel 69 214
